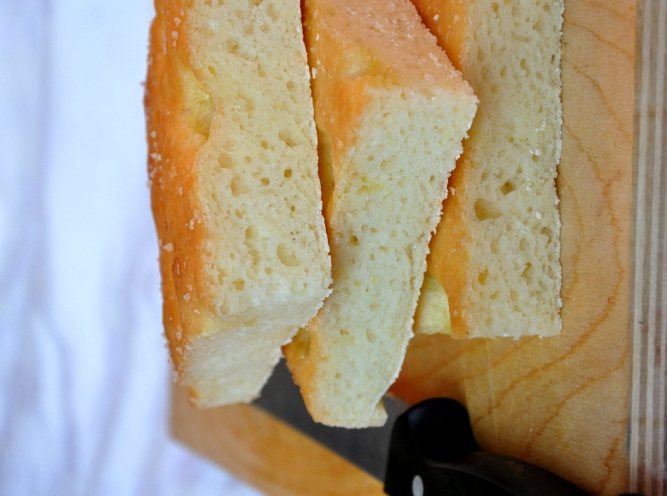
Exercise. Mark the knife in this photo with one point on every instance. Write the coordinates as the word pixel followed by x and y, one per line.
pixel 426 449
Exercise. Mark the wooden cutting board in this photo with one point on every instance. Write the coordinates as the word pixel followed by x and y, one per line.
pixel 588 404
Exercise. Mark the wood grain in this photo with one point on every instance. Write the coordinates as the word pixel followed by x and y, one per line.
pixel 590 403
pixel 649 320
pixel 266 452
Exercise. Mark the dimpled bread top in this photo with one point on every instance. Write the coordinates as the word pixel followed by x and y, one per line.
pixel 391 113
pixel 235 192
pixel 496 250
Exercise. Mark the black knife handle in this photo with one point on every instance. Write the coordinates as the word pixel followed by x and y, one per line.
pixel 433 452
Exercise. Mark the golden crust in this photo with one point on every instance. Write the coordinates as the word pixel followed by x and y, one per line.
pixel 173 146
pixel 450 20
pixel 449 260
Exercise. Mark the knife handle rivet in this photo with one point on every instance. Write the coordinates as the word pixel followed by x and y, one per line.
pixel 417 486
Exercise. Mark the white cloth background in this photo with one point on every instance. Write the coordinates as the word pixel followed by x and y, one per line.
pixel 83 369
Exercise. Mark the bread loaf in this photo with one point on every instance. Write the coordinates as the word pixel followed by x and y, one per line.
pixel 391 113
pixel 496 250
pixel 235 191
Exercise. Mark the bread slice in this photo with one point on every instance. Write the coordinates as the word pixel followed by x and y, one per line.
pixel 235 191
pixel 391 113
pixel 496 251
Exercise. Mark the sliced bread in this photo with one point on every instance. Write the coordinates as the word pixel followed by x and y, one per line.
pixel 496 251
pixel 391 112
pixel 235 190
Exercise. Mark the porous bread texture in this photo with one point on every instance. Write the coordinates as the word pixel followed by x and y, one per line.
pixel 234 189
pixel 496 250
pixel 391 113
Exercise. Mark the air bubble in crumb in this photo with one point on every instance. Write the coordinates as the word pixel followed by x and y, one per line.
pixel 287 255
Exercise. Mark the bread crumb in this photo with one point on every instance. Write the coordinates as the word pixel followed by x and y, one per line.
pixel 168 247
pixel 436 17
pixel 186 296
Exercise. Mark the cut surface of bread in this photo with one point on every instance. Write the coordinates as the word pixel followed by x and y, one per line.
pixel 391 113
pixel 496 251
pixel 234 189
